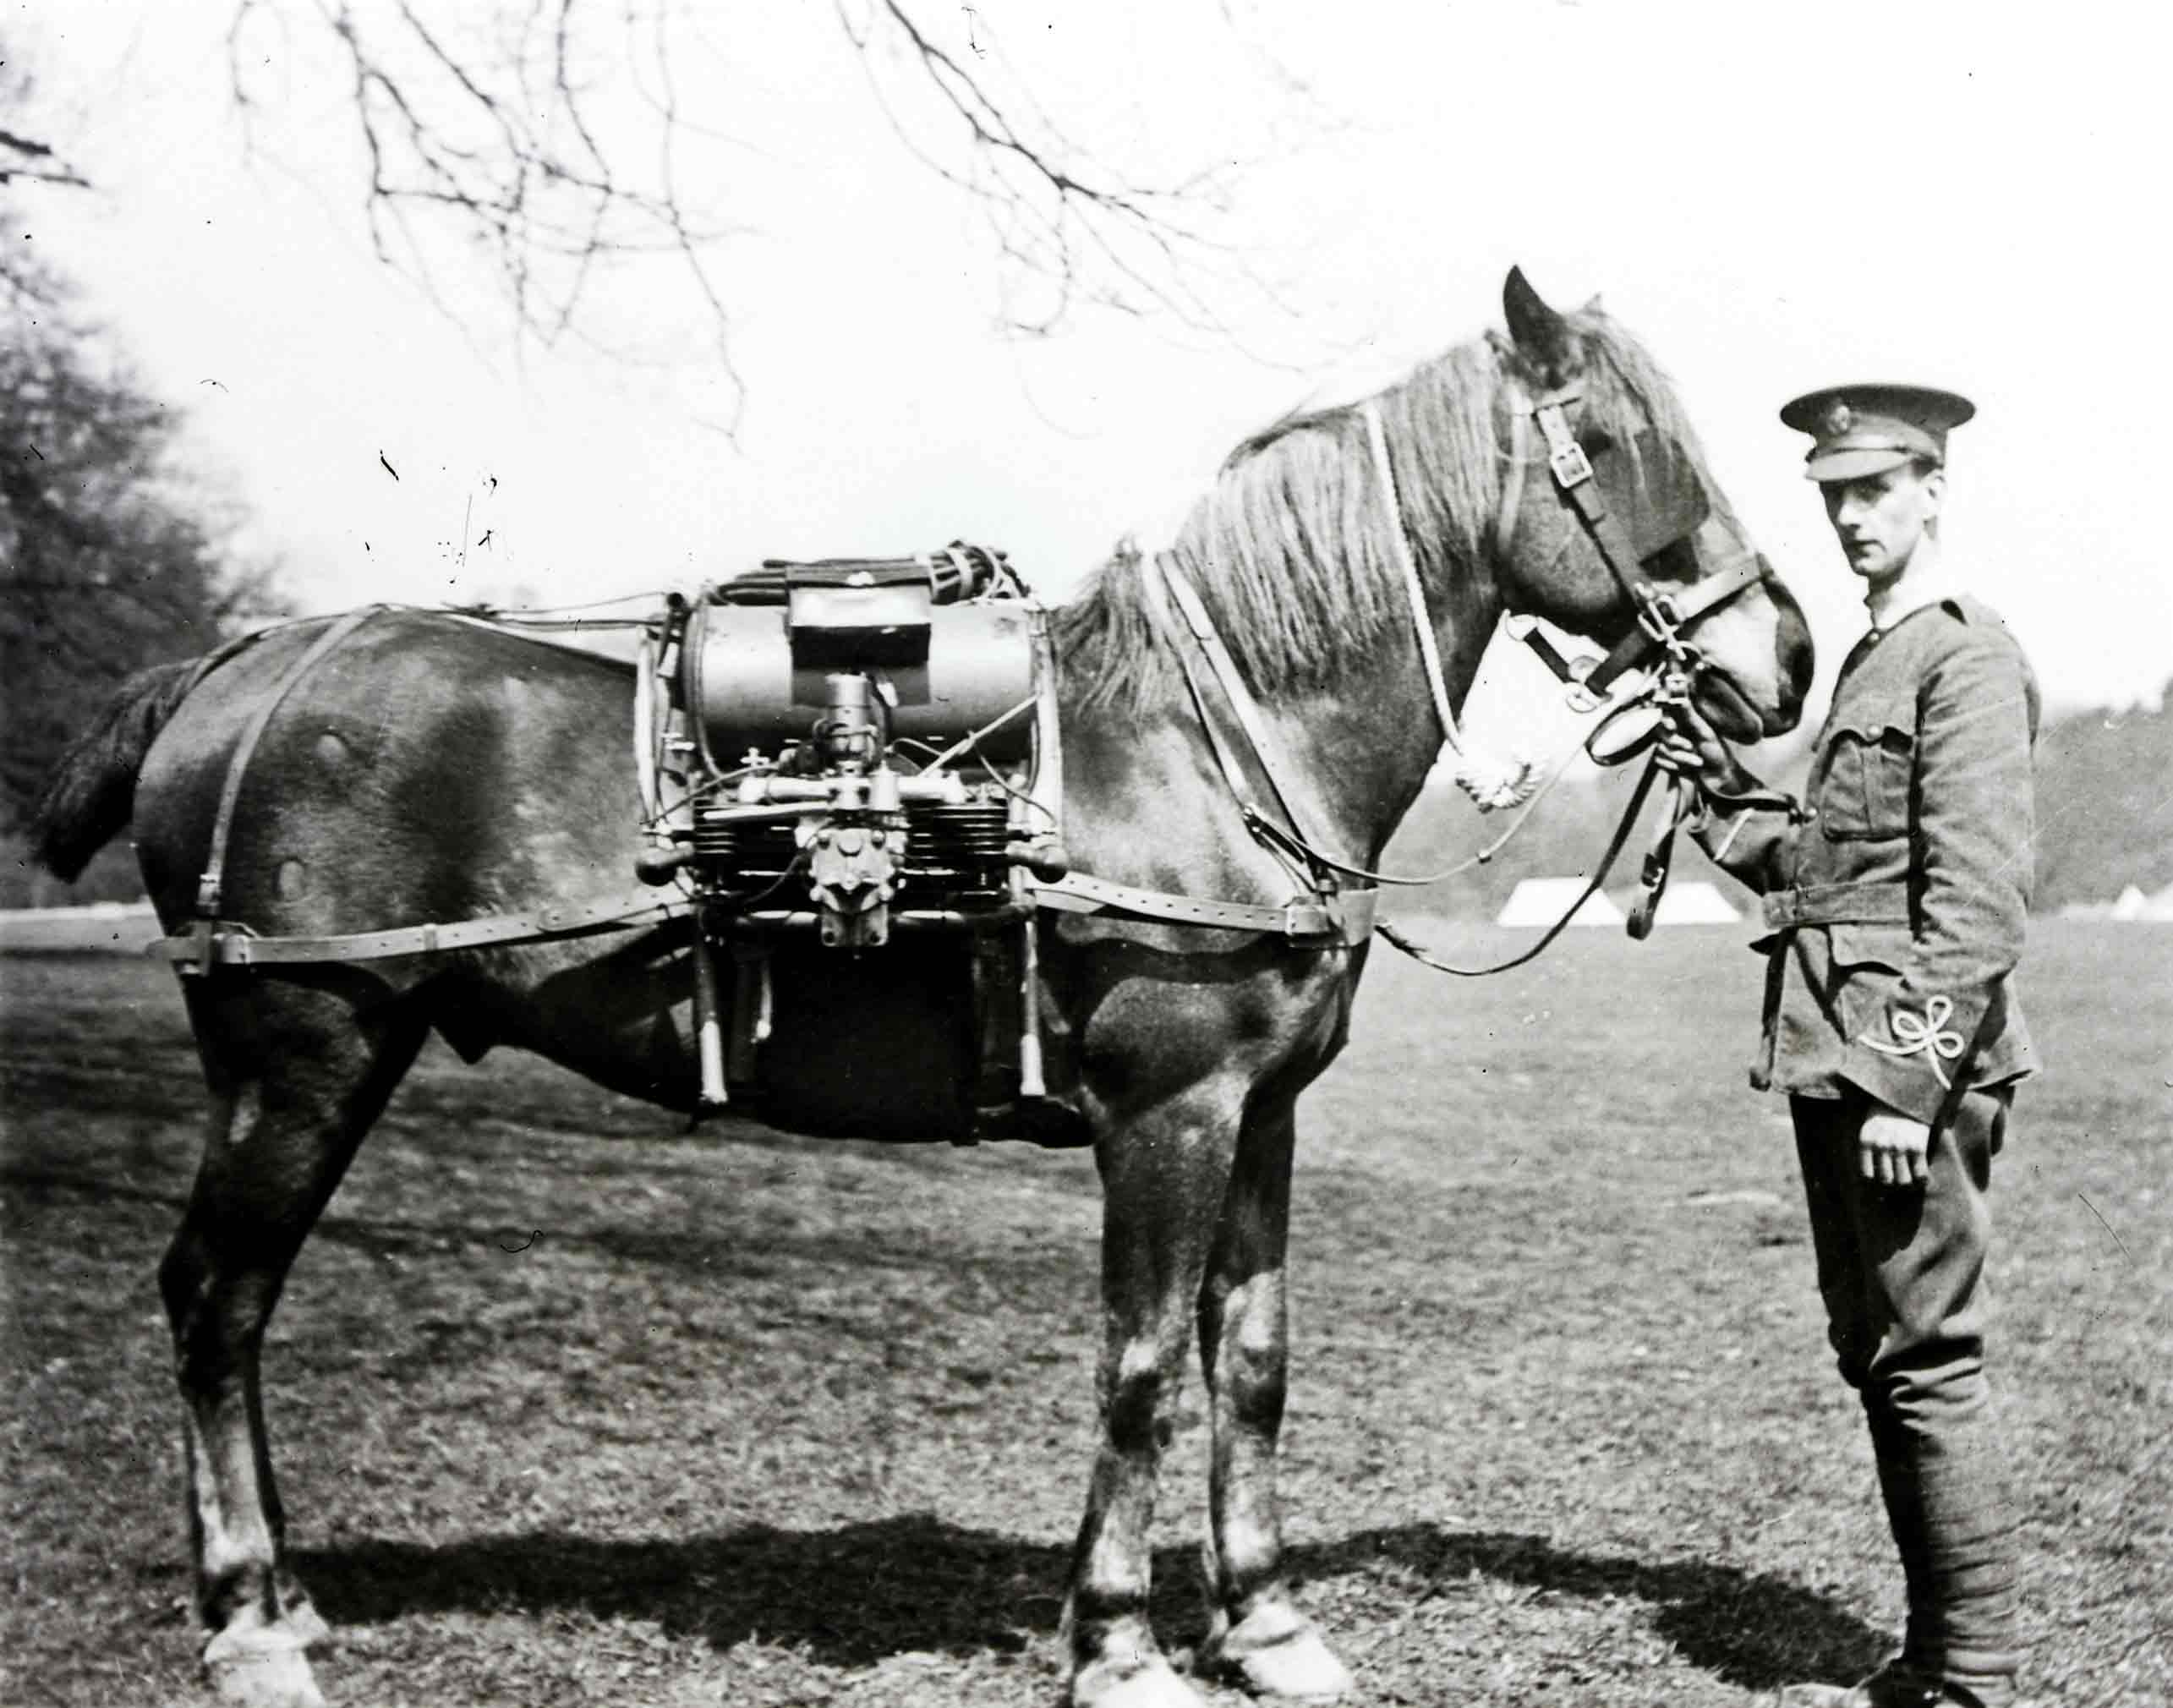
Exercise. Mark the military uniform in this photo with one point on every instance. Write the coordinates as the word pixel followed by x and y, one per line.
pixel 1895 897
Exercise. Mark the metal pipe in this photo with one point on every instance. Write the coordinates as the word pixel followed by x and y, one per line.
pixel 1032 1084
pixel 901 919
pixel 708 1025
pixel 645 777
pixel 946 788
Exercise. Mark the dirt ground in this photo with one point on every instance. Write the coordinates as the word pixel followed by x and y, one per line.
pixel 573 1407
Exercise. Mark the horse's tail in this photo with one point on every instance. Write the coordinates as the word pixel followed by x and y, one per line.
pixel 91 794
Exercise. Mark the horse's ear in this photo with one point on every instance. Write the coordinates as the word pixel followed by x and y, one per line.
pixel 1543 337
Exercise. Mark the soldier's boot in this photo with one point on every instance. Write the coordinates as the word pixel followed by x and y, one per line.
pixel 1952 1510
pixel 1948 1504
pixel 1891 1687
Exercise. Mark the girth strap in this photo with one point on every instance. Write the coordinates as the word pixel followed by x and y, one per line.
pixel 1346 917
pixel 235 946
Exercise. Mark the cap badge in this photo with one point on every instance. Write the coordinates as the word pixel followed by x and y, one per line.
pixel 1838 420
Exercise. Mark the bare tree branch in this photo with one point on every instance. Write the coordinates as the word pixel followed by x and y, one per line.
pixel 36 162
pixel 500 122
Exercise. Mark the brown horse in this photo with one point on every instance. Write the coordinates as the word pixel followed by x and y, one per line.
pixel 428 770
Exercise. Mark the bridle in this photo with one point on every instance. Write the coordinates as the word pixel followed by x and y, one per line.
pixel 1660 633
pixel 1661 616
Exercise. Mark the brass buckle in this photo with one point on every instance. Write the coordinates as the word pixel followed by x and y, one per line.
pixel 1571 466
pixel 1564 455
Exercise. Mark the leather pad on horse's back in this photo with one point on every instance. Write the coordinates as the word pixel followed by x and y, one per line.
pixel 880 1045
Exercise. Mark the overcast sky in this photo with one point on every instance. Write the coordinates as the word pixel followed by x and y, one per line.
pixel 1774 199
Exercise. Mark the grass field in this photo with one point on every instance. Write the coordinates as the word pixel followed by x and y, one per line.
pixel 572 1407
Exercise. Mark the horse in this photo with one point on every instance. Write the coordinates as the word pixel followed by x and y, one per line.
pixel 430 768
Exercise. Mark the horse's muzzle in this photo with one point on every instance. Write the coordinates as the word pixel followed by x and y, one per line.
pixel 1730 711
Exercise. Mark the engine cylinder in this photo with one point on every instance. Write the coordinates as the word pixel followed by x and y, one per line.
pixel 744 688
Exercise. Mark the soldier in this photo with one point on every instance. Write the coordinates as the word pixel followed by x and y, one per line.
pixel 1895 898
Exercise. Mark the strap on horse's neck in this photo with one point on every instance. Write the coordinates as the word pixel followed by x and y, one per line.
pixel 1491 781
pixel 1167 586
pixel 1414 592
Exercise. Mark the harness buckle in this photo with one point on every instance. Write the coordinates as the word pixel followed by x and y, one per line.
pixel 1564 455
pixel 1571 466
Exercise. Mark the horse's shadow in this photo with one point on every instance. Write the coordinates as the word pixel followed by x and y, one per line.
pixel 857 1593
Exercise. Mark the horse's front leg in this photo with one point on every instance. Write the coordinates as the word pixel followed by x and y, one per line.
pixel 1259 1635
pixel 1163 1177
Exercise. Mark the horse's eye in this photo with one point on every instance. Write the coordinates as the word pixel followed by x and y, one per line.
pixel 1595 440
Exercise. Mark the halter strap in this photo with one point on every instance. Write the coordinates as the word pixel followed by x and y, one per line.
pixel 1512 484
pixel 1660 617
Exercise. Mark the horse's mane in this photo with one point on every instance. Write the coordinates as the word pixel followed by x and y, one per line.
pixel 1290 548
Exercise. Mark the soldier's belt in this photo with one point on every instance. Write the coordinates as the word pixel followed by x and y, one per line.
pixel 1885 903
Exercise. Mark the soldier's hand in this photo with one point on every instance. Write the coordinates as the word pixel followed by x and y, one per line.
pixel 1689 747
pixel 1893 1149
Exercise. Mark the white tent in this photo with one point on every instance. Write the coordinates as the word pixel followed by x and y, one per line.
pixel 1694 903
pixel 1542 900
pixel 2133 904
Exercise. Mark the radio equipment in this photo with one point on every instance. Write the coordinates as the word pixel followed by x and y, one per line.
pixel 834 752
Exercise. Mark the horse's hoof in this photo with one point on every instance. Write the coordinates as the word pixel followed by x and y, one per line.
pixel 1103 1685
pixel 305 1624
pixel 1277 1654
pixel 263 1667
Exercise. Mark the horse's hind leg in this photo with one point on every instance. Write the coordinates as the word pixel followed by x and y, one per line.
pixel 296 1077
pixel 1258 1634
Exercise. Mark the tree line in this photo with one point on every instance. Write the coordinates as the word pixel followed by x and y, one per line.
pixel 111 558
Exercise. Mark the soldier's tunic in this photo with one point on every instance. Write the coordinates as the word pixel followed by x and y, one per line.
pixel 1896 895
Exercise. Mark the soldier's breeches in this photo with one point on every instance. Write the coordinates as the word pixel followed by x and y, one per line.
pixel 1901 1274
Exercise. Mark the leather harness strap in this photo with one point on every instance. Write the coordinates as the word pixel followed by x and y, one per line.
pixel 1414 592
pixel 1331 916
pixel 208 886
pixel 1425 957
pixel 1162 579
pixel 210 942
pixel 1345 917
pixel 236 946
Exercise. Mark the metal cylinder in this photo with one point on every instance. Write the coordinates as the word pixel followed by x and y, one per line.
pixel 741 686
